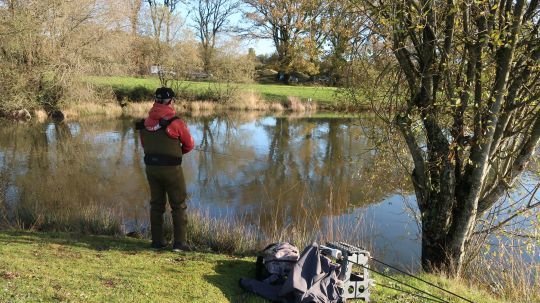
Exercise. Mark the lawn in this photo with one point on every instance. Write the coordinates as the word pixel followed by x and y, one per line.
pixel 270 92
pixel 68 267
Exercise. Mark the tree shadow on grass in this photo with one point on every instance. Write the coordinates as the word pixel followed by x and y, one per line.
pixel 98 243
pixel 227 276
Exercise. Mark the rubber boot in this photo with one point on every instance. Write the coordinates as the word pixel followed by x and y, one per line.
pixel 156 228
pixel 179 217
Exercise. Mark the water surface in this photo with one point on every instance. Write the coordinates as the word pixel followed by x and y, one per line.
pixel 275 174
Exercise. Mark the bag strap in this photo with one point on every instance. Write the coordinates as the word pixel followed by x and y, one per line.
pixel 164 122
pixel 139 125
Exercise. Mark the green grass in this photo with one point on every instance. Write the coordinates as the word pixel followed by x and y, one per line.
pixel 55 267
pixel 461 287
pixel 270 92
pixel 64 267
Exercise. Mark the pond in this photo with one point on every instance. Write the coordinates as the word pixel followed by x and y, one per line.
pixel 277 174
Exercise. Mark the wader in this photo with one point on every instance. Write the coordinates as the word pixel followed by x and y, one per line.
pixel 163 158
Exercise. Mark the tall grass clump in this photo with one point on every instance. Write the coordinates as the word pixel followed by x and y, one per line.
pixel 509 270
pixel 221 235
pixel 85 109
pixel 90 221
pixel 295 104
pixel 298 224
pixel 247 100
pixel 139 109
pixel 251 100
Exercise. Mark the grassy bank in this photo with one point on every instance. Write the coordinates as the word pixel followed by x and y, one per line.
pixel 193 109
pixel 138 89
pixel 69 267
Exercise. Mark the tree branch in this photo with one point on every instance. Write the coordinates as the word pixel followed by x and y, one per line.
pixel 518 166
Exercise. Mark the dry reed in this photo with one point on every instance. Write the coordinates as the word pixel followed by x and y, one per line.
pixel 241 101
pixel 295 104
pixel 83 109
pixel 508 269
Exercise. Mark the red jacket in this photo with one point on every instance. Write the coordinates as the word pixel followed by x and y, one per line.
pixel 176 130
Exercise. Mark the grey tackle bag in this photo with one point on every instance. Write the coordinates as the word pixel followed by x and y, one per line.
pixel 313 279
pixel 276 262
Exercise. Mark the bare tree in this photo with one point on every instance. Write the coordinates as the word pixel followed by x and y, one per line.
pixel 162 15
pixel 471 116
pixel 134 11
pixel 212 17
pixel 44 46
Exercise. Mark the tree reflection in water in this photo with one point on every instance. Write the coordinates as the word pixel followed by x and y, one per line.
pixel 275 173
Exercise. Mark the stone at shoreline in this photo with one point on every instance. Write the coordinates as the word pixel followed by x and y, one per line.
pixel 21 114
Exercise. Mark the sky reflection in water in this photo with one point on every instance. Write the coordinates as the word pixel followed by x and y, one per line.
pixel 272 172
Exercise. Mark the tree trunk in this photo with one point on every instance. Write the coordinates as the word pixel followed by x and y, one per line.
pixel 207 58
pixel 434 250
pixel 461 172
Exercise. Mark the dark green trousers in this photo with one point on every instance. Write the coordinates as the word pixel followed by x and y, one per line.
pixel 167 181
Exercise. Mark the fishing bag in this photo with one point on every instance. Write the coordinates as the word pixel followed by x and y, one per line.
pixel 276 262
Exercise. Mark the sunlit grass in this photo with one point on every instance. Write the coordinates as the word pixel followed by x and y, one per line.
pixel 509 270
pixel 269 92
pixel 244 101
pixel 75 195
pixel 381 292
pixel 70 267
pixel 83 109
pixel 67 267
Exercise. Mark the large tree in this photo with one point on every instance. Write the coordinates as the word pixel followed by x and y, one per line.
pixel 345 32
pixel 471 116
pixel 212 17
pixel 288 24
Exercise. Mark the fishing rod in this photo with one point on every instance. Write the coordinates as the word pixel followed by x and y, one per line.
pixel 372 258
pixel 420 279
pixel 436 299
pixel 410 293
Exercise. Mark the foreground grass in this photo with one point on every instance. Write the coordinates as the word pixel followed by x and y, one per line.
pixel 67 267
pixel 270 92
pixel 62 267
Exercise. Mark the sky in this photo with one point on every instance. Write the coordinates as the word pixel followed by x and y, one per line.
pixel 261 46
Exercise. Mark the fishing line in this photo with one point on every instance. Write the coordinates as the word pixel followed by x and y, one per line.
pixel 437 299
pixel 420 279
pixel 372 258
pixel 410 293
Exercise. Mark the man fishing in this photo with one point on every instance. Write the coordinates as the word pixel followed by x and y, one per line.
pixel 165 138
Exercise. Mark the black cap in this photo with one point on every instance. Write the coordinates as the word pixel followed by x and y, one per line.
pixel 164 93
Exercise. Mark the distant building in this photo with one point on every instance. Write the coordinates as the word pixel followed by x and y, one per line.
pixel 155 69
pixel 200 75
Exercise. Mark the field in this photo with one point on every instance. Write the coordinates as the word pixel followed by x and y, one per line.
pixel 69 267
pixel 269 92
